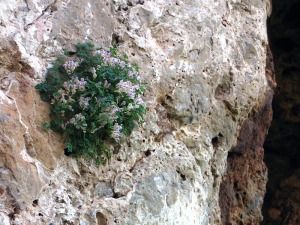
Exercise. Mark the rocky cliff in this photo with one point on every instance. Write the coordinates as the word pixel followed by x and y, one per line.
pixel 208 93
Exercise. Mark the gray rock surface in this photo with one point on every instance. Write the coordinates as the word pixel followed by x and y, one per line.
pixel 204 66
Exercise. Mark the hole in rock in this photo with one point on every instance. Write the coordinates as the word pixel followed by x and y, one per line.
pixel 282 145
pixel 35 203
pixel 215 142
pixel 233 154
pixel 235 185
pixel 101 220
pixel 148 152
pixel 285 44
pixel 1 191
pixel 291 18
pixel 115 39
pixel 169 98
pixel 116 149
pixel 11 216
pixel 183 177
pixel 67 152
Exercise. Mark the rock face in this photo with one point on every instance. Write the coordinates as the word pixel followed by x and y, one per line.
pixel 244 183
pixel 204 66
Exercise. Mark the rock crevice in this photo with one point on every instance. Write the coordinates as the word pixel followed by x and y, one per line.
pixel 203 63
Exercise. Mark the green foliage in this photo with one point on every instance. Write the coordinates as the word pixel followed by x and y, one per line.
pixel 96 100
pixel 46 126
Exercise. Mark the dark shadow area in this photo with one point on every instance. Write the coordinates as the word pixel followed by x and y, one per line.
pixel 282 146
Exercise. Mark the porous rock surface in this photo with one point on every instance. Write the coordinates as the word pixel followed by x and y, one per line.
pixel 204 66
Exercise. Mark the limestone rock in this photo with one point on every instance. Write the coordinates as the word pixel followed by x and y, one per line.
pixel 203 63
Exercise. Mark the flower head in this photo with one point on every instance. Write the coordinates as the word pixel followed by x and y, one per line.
pixel 127 87
pixel 78 121
pixel 70 66
pixel 84 102
pixel 93 71
pixel 116 132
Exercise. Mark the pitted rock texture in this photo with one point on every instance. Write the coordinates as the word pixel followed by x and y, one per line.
pixel 204 67
pixel 244 183
pixel 243 187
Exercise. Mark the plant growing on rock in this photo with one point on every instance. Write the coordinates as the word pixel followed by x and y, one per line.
pixel 96 99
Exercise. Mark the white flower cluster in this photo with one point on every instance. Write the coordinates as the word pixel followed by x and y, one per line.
pixel 84 102
pixel 109 60
pixel 94 72
pixel 74 84
pixel 112 112
pixel 64 95
pixel 128 88
pixel 78 121
pixel 70 66
pixel 116 132
pixel 132 74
